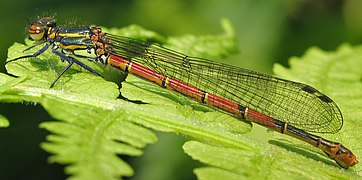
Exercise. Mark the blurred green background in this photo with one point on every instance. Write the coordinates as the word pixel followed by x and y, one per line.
pixel 267 32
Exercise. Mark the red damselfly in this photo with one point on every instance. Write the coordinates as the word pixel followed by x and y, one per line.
pixel 285 106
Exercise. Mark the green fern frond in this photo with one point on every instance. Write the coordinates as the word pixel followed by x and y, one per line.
pixel 94 126
pixel 89 139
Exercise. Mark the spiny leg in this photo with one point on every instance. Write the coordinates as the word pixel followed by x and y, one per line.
pixel 70 61
pixel 40 51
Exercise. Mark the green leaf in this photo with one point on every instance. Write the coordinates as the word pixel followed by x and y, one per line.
pixel 263 162
pixel 211 46
pixel 4 122
pixel 89 138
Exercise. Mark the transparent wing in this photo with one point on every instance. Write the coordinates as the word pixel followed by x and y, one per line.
pixel 295 103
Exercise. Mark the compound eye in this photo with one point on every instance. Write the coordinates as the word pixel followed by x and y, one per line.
pixel 36 32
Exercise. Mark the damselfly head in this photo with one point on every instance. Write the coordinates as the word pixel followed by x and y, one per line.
pixel 38 30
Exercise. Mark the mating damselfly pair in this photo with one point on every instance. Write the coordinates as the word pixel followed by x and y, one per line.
pixel 285 106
